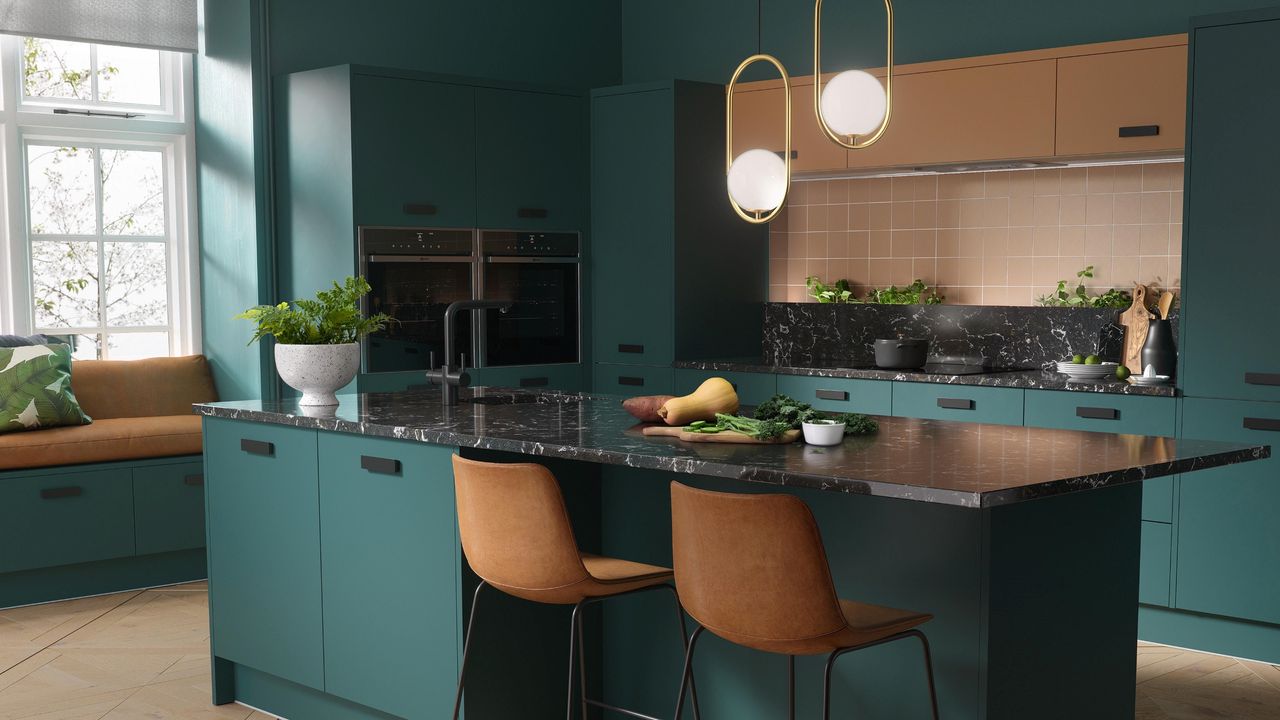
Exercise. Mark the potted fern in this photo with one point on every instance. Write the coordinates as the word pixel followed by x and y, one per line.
pixel 317 341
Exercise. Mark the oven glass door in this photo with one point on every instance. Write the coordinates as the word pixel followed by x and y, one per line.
pixel 542 325
pixel 415 292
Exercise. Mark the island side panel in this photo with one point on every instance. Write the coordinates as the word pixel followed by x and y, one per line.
pixel 1061 606
pixel 913 555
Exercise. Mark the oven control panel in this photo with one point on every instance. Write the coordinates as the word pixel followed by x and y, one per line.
pixel 528 244
pixel 416 241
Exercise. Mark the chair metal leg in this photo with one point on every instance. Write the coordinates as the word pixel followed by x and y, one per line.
pixel 684 639
pixel 928 666
pixel 688 670
pixel 791 687
pixel 466 648
pixel 574 644
pixel 582 667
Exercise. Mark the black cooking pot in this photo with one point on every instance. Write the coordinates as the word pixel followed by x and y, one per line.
pixel 901 353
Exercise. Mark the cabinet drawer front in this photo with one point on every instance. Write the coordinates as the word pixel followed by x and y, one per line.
pixel 1227 532
pixel 533 377
pixel 873 397
pixel 966 403
pixel 264 533
pixel 76 517
pixel 168 507
pixel 1153 575
pixel 752 388
pixel 632 380
pixel 1102 412
pixel 390 560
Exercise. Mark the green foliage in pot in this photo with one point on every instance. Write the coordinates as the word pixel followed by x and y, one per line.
pixel 333 318
pixel 837 292
pixel 1081 298
pixel 917 293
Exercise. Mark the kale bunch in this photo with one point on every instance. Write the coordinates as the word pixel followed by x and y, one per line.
pixel 786 409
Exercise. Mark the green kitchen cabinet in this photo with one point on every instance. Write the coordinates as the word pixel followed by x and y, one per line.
pixel 531 160
pixel 752 388
pixel 964 403
pixel 1155 563
pixel 391 563
pixel 676 274
pixel 168 507
pixel 1228 536
pixel 873 397
pixel 60 518
pixel 630 380
pixel 1231 214
pixel 263 516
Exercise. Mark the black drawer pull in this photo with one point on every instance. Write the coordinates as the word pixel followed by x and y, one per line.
pixel 841 395
pixel 632 349
pixel 1262 424
pixel 536 213
pixel 955 403
pixel 61 492
pixel 794 153
pixel 1098 413
pixel 632 381
pixel 194 480
pixel 258 447
pixel 1128 131
pixel 419 209
pixel 382 466
pixel 1262 378
pixel 535 382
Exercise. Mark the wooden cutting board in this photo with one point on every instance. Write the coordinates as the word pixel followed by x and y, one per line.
pixel 724 436
pixel 1136 322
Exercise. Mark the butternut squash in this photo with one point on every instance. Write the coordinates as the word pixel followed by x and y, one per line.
pixel 715 395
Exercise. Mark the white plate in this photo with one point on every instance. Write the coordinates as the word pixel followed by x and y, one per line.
pixel 1143 380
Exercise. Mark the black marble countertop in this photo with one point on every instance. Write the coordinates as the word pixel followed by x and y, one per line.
pixel 953 463
pixel 1026 379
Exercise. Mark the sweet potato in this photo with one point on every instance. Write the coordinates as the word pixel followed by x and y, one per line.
pixel 645 407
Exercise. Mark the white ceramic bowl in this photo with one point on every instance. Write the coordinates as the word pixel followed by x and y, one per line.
pixel 317 371
pixel 823 433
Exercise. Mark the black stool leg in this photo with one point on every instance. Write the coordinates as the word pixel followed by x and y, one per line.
pixel 791 687
pixel 466 647
pixel 928 666
pixel 684 639
pixel 582 666
pixel 574 644
pixel 688 670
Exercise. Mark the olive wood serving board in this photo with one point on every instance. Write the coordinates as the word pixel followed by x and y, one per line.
pixel 724 436
pixel 1136 322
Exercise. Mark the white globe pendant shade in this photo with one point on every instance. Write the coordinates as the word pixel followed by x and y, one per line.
pixel 854 103
pixel 758 181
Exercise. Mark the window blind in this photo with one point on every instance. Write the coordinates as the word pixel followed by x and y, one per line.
pixel 158 24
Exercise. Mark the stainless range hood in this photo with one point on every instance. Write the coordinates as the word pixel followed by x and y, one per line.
pixel 987 166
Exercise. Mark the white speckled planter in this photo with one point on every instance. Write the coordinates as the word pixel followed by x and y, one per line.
pixel 317 371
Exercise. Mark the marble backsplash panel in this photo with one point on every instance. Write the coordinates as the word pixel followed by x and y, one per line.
pixel 802 334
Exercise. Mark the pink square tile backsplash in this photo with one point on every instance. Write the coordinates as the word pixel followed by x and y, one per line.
pixel 993 238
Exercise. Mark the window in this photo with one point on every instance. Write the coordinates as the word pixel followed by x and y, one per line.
pixel 96 147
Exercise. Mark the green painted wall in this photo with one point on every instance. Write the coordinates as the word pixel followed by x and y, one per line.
pixel 707 39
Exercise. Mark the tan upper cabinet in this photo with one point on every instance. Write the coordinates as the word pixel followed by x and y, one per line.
pixel 758 122
pixel 973 114
pixel 1122 102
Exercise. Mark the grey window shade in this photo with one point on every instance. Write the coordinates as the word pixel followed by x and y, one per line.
pixel 159 24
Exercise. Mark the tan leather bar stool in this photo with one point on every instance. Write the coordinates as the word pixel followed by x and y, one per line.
pixel 752 569
pixel 517 537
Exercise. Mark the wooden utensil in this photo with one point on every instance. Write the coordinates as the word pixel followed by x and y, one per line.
pixel 1165 304
pixel 724 436
pixel 1135 321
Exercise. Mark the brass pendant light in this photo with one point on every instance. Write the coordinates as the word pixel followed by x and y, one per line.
pixel 855 108
pixel 758 179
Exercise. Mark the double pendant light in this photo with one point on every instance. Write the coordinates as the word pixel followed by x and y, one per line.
pixel 853 111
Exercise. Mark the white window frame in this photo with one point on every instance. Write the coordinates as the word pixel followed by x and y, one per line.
pixel 169 108
pixel 21 123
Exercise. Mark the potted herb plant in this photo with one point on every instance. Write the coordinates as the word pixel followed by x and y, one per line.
pixel 317 341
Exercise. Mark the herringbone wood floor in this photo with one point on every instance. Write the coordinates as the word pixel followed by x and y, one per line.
pixel 145 656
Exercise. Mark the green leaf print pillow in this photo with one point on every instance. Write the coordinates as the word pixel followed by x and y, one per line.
pixel 35 389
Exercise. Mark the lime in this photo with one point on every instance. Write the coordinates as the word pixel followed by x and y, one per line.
pixel 1092 360
pixel 1077 359
pixel 1122 372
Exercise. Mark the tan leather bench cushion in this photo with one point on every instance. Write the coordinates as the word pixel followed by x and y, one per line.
pixel 103 441
pixel 142 388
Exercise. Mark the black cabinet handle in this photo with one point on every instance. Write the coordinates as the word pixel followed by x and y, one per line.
pixel 1098 413
pixel 194 480
pixel 632 349
pixel 419 209
pixel 1267 424
pixel 632 381
pixel 794 154
pixel 955 403
pixel 258 447
pixel 1262 378
pixel 1128 131
pixel 61 492
pixel 536 213
pixel 379 465
pixel 831 395
pixel 535 382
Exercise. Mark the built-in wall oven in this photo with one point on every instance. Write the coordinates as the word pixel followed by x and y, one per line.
pixel 415 273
